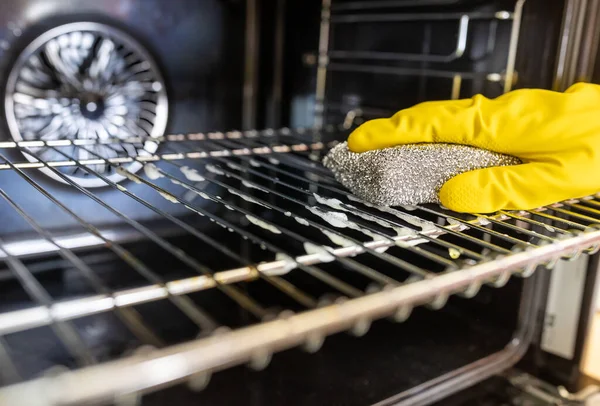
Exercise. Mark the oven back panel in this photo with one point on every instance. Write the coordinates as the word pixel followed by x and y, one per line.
pixel 384 56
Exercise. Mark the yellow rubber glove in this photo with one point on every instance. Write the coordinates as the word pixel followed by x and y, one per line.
pixel 556 135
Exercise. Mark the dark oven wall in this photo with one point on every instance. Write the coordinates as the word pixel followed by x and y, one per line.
pixel 197 45
pixel 423 36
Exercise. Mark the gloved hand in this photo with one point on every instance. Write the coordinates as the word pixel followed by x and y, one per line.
pixel 556 135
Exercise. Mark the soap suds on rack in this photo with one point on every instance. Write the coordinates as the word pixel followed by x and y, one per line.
pixel 337 239
pixel 253 186
pixel 289 264
pixel 340 220
pixel 191 174
pixel 152 172
pixel 213 169
pixel 424 225
pixel 258 222
pixel 324 255
pixel 169 197
pixel 247 198
pixel 302 221
pixel 335 219
pixel 337 204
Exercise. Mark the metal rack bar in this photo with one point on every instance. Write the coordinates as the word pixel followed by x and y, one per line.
pixel 203 320
pixel 377 18
pixel 344 193
pixel 334 60
pixel 394 70
pixel 64 330
pixel 146 371
pixel 363 5
pixel 370 231
pixel 503 244
pixel 280 283
pixel 341 286
pixel 459 50
pixel 344 207
pixel 151 158
pixel 130 317
pixel 369 272
pixel 183 303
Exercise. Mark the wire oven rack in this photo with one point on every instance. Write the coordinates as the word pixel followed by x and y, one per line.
pixel 267 189
pixel 422 65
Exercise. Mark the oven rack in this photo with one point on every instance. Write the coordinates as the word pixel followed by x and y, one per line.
pixel 421 65
pixel 417 264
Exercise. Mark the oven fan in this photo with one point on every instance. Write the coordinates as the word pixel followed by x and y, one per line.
pixel 86 80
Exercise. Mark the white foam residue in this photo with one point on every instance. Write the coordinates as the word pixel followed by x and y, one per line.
pixel 152 172
pixel 409 208
pixel 247 198
pixel 191 174
pixel 424 225
pixel 338 239
pixel 213 169
pixel 410 243
pixel 273 161
pixel 549 228
pixel 335 219
pixel 123 172
pixel 483 221
pixel 169 197
pixel 333 203
pixel 254 163
pixel 201 194
pixel 289 264
pixel 339 205
pixel 288 213
pixel 302 221
pixel 258 222
pixel 253 186
pixel 324 255
pixel 453 222
pixel 122 188
pixel 205 196
pixel 340 220
pixel 233 166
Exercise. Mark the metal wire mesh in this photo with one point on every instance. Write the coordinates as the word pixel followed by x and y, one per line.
pixel 264 215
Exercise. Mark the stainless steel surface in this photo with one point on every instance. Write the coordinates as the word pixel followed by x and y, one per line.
pixel 322 62
pixel 271 194
pixel 578 46
pixel 251 54
pixel 85 81
pixel 514 42
pixel 461 46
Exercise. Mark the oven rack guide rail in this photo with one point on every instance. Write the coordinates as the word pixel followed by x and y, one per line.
pixel 484 250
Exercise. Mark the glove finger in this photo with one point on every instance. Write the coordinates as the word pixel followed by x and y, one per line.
pixel 426 122
pixel 494 124
pixel 521 187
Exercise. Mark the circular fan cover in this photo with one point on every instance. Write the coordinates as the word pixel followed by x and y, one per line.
pixel 86 81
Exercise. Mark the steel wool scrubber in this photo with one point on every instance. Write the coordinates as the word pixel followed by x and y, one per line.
pixel 407 174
